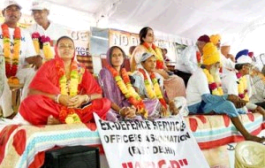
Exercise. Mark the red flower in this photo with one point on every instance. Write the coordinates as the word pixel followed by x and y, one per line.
pixel 60 72
pixel 163 102
pixel 13 70
pixel 159 64
pixel 146 45
pixel 198 56
pixel 152 76
pixel 125 76
pixel 63 113
pixel 133 101
pixel 238 75
pixel 35 35
pixel 71 111
pixel 45 39
pixel 154 47
pixel 73 65
pixel 17 33
pixel 5 30
pixel 241 96
pixel 212 86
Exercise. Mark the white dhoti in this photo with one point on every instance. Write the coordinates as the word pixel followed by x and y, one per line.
pixel 25 76
pixel 6 100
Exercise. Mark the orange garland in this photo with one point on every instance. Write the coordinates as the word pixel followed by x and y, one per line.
pixel 156 51
pixel 128 91
pixel 11 59
pixel 76 77
pixel 158 93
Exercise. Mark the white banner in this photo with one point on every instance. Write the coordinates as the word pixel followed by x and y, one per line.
pixel 146 144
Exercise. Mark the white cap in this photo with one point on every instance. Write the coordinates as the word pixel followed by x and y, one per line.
pixel 226 44
pixel 145 56
pixel 39 5
pixel 8 3
pixel 244 59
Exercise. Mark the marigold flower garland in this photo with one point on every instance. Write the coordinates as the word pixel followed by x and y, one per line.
pixel 35 38
pixel 242 87
pixel 214 85
pixel 42 42
pixel 11 60
pixel 69 115
pixel 157 52
pixel 128 91
pixel 155 91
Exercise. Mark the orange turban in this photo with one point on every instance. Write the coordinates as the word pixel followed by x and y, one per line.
pixel 210 54
pixel 215 38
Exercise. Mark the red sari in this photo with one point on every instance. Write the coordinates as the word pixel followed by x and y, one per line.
pixel 37 108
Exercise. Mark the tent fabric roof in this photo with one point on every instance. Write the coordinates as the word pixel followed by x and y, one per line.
pixel 184 18
pixel 175 18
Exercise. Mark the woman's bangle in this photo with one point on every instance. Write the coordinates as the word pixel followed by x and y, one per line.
pixel 121 110
pixel 88 98
pixel 57 98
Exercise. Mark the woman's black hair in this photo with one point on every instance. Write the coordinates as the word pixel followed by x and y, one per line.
pixel 239 66
pixel 143 33
pixel 110 53
pixel 64 37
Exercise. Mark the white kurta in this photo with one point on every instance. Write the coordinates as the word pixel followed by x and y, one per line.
pixel 258 88
pixel 230 86
pixel 2 73
pixel 54 32
pixel 187 61
pixel 197 86
pixel 24 75
pixel 227 65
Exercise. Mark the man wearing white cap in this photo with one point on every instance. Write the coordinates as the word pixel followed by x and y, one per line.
pixel 205 94
pixel 18 51
pixel 43 26
pixel 237 83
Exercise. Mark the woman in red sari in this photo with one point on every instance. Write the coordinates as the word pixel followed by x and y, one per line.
pixel 63 91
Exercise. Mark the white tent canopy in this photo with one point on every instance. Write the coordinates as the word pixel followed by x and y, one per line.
pixel 171 19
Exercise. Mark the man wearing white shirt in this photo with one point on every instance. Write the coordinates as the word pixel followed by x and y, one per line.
pixel 227 64
pixel 237 82
pixel 205 96
pixel 43 25
pixel 25 55
pixel 189 59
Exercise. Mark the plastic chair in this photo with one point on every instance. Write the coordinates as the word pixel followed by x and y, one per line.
pixel 249 155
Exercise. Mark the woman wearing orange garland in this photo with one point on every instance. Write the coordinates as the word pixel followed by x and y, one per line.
pixel 117 86
pixel 149 84
pixel 171 82
pixel 63 91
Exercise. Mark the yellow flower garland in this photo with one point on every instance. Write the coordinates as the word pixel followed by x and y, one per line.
pixel 11 60
pixel 47 51
pixel 214 85
pixel 72 89
pixel 155 91
pixel 242 88
pixel 46 48
pixel 128 91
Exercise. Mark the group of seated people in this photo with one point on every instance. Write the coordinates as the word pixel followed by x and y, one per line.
pixel 63 91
